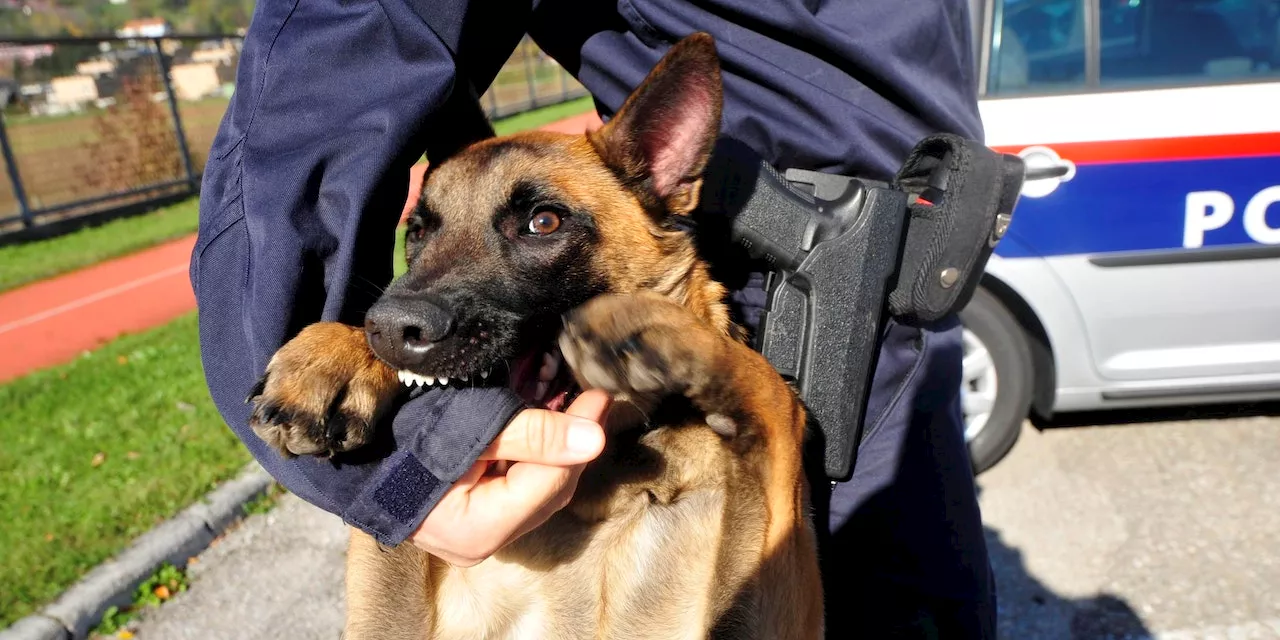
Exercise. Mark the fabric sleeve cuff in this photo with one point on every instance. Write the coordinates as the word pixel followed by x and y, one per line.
pixel 441 433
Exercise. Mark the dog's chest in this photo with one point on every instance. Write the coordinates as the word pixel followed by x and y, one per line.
pixel 644 577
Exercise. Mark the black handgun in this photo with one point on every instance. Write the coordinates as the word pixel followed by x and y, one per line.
pixel 843 255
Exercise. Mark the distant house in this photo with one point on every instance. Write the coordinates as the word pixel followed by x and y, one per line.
pixel 218 53
pixel 73 93
pixel 145 28
pixel 195 80
pixel 70 93
pixel 97 67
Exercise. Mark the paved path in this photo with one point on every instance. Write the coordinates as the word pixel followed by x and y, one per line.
pixel 279 575
pixel 51 322
pixel 1115 531
pixel 1136 531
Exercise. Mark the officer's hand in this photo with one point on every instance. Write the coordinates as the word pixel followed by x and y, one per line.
pixel 483 513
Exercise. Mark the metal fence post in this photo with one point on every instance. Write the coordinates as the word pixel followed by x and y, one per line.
pixel 173 108
pixel 11 164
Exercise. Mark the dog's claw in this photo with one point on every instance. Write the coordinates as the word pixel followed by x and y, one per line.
pixel 258 388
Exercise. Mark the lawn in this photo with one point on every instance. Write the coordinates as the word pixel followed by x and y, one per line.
pixel 98 451
pixel 29 262
pixel 542 116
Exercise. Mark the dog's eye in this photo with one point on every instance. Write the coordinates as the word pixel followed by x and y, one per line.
pixel 544 222
pixel 420 226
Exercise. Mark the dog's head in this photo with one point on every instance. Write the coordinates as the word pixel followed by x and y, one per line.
pixel 510 233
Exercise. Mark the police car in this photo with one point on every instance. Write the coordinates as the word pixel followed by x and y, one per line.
pixel 1148 273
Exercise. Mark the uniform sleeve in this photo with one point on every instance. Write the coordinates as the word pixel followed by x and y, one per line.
pixel 304 186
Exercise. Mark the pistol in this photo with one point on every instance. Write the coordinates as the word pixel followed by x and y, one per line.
pixel 844 254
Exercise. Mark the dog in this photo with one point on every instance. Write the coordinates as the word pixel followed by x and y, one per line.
pixel 538 249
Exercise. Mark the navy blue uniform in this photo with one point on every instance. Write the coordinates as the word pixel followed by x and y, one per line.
pixel 335 100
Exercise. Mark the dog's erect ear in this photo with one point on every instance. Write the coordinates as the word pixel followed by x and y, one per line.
pixel 660 140
pixel 459 123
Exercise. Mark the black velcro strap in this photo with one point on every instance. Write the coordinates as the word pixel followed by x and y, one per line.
pixel 962 196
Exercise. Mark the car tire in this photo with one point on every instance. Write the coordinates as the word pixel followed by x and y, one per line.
pixel 998 379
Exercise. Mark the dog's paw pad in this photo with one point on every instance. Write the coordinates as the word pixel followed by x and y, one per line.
pixel 636 345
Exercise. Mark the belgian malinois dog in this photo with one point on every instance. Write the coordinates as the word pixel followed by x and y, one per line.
pixel 536 250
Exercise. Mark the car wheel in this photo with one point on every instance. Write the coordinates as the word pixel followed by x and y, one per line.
pixel 996 389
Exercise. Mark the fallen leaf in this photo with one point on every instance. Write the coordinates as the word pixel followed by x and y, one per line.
pixel 122 359
pixel 98 458
pixel 193 560
pixel 48 537
pixel 162 592
pixel 186 406
pixel 133 455
pixel 125 634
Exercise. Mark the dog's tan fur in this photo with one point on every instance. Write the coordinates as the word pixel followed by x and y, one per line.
pixel 693 528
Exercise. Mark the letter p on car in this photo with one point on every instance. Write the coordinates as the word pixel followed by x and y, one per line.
pixel 1210 210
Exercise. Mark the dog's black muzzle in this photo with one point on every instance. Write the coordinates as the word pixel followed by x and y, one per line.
pixel 403 329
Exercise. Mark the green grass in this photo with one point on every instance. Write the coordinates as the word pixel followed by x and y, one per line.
pixel 166 582
pixel 398 262
pixel 545 115
pixel 25 263
pixel 98 451
pixel 264 502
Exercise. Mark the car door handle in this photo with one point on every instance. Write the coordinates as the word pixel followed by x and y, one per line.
pixel 1048 171
pixel 1045 171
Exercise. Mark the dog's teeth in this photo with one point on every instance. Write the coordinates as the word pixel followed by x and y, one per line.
pixel 463 378
pixel 484 374
pixel 540 392
pixel 407 378
pixel 442 381
pixel 428 381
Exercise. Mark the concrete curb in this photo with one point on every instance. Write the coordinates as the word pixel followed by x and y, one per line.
pixel 112 583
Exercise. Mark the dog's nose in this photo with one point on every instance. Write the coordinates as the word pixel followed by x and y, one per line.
pixel 402 330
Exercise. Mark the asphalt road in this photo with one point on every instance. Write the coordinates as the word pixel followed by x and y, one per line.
pixel 1167 530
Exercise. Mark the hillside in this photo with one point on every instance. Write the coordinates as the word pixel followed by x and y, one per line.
pixel 20 18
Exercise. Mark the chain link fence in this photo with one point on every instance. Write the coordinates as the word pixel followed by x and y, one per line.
pixel 92 126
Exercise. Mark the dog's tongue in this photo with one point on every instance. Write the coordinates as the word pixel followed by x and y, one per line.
pixel 538 377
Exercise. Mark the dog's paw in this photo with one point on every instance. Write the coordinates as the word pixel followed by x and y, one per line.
pixel 640 346
pixel 322 393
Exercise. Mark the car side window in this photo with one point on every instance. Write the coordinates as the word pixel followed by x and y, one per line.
pixel 1170 42
pixel 1039 46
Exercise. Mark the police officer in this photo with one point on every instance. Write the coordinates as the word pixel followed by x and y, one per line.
pixel 335 100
